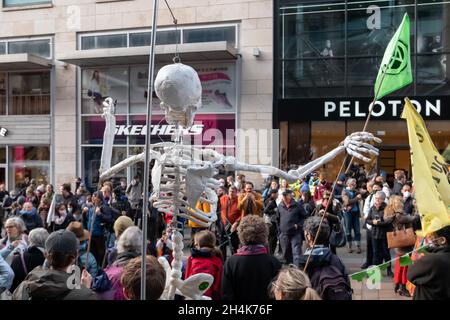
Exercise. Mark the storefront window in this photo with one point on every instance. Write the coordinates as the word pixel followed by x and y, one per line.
pixel 93 128
pixel 2 155
pixel 358 31
pixel 29 93
pixel 101 83
pixel 91 161
pixel 2 47
pixel 371 25
pixel 29 162
pixel 138 91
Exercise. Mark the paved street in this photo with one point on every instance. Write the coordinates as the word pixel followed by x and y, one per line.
pixel 353 262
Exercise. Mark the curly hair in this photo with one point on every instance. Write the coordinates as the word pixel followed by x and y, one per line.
pixel 253 230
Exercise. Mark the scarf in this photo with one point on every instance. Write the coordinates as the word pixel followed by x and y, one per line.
pixel 252 250
pixel 59 220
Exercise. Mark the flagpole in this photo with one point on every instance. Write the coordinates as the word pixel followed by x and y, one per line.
pixel 147 172
pixel 330 200
pixel 370 113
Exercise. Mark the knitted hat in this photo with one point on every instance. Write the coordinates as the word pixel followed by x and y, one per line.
pixel 122 223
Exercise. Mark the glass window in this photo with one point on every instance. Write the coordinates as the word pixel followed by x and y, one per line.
pixel 371 26
pixel 93 128
pixel 324 135
pixel 210 34
pixel 2 47
pixel 2 93
pixel 104 41
pixel 37 47
pixel 29 93
pixel 432 24
pixel 312 78
pixel 16 3
pixel 29 162
pixel 432 74
pixel 91 161
pixel 313 31
pixel 299 151
pixel 140 39
pixel 138 91
pixel 101 83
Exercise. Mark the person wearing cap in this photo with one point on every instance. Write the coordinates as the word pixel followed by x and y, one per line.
pixel 58 282
pixel 270 211
pixel 291 217
pixel 82 236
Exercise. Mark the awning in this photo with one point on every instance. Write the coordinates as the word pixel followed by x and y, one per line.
pixel 23 61
pixel 205 51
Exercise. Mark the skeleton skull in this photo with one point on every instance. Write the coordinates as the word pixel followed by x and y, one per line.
pixel 179 89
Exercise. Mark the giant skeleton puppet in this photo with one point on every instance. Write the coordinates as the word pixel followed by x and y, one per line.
pixel 183 174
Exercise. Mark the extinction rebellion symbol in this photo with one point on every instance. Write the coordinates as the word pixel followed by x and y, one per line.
pixel 399 59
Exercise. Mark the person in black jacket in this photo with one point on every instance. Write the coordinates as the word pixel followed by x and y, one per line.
pixel 408 200
pixel 430 274
pixel 400 180
pixel 270 210
pixel 247 274
pixel 291 217
pixel 380 227
pixel 23 263
pixel 61 219
pixel 69 198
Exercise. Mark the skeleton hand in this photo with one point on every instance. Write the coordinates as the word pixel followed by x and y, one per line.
pixel 359 142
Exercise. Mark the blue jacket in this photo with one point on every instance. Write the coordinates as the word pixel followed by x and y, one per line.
pixel 6 275
pixel 99 220
pixel 31 218
pixel 92 267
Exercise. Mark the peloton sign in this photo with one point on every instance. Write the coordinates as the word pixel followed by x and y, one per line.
pixel 390 108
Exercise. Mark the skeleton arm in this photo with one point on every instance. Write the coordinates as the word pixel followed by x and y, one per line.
pixel 355 144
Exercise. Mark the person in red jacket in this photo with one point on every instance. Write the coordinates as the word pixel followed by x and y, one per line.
pixel 206 258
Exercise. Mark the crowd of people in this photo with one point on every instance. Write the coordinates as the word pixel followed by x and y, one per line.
pixel 279 243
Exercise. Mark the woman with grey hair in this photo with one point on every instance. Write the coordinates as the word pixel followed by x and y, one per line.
pixel 244 278
pixel 351 212
pixel 129 246
pixel 31 258
pixel 380 226
pixel 15 240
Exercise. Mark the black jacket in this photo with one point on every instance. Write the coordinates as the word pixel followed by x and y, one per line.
pixel 244 278
pixel 289 217
pixel 48 284
pixel 270 208
pixel 408 207
pixel 32 257
pixel 431 276
pixel 379 231
pixel 397 188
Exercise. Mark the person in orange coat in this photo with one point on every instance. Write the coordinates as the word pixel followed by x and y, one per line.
pixel 250 202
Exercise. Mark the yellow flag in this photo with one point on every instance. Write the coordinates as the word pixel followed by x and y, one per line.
pixel 431 185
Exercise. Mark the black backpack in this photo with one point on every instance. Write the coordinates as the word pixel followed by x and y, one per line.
pixel 330 283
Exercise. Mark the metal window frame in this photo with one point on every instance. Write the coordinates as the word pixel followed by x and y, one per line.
pixel 25 39
pixel 140 30
pixel 26 4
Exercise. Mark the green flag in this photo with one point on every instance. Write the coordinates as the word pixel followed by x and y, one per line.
pixel 405 260
pixel 359 276
pixel 395 70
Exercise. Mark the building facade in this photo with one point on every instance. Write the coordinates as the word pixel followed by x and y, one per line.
pixel 327 55
pixel 59 58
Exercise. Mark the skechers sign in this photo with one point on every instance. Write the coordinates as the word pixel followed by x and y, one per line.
pixel 159 129
pixel 332 109
pixel 3 132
